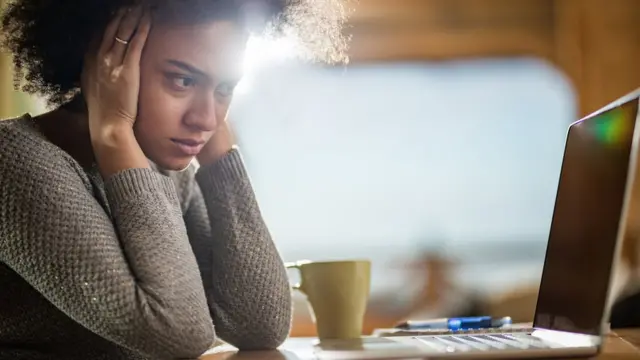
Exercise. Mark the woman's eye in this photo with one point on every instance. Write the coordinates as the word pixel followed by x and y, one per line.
pixel 225 89
pixel 182 82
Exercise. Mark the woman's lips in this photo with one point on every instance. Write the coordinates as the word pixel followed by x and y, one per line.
pixel 189 147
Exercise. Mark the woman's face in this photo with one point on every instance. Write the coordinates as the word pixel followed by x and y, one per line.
pixel 188 73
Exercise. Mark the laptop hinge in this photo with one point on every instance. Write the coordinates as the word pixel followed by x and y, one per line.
pixel 567 338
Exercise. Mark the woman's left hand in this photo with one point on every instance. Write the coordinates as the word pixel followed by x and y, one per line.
pixel 218 146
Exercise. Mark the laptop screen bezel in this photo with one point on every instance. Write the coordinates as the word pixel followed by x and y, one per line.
pixel 631 177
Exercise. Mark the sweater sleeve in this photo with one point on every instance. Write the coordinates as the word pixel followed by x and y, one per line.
pixel 132 279
pixel 243 274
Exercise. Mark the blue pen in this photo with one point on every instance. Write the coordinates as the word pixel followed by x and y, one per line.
pixel 460 323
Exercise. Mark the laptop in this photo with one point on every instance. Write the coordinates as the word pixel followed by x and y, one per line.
pixel 589 221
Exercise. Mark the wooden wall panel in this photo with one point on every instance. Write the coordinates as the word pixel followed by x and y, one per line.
pixel 452 13
pixel 610 44
pixel 409 45
pixel 596 43
pixel 450 29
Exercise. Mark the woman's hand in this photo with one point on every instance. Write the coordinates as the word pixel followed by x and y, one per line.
pixel 111 76
pixel 218 146
pixel 110 85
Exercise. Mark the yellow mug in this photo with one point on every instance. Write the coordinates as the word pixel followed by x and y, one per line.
pixel 337 292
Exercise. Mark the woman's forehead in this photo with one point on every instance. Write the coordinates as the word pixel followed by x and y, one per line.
pixel 203 44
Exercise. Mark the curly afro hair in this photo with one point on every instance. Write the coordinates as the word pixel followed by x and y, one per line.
pixel 49 38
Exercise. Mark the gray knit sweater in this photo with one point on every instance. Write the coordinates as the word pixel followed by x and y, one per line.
pixel 145 265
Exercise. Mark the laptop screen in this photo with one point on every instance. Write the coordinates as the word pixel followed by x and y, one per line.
pixel 584 228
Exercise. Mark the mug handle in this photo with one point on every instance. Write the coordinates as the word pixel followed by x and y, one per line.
pixel 294 265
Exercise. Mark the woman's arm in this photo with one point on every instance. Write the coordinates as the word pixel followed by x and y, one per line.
pixel 244 277
pixel 136 284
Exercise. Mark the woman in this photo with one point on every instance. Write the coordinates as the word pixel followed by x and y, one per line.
pixel 113 245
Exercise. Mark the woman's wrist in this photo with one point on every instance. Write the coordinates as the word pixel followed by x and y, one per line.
pixel 111 133
pixel 116 149
pixel 213 153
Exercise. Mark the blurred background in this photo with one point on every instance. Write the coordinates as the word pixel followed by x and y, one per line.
pixel 435 153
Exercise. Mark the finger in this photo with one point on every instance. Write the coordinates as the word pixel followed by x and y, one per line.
pixel 134 52
pixel 109 33
pixel 124 35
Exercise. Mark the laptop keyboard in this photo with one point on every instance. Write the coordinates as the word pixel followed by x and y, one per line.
pixel 483 342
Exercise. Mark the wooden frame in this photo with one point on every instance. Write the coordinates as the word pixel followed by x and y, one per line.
pixel 596 43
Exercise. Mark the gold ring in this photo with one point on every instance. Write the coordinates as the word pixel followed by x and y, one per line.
pixel 124 42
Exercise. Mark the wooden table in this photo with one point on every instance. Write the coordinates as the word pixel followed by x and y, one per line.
pixel 619 345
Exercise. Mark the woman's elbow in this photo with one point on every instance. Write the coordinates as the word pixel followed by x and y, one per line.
pixel 276 331
pixel 194 346
pixel 265 340
pixel 269 336
pixel 187 343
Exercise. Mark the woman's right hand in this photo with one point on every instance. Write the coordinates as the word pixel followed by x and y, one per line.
pixel 110 85
pixel 111 76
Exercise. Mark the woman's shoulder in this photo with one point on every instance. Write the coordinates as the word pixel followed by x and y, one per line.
pixel 25 151
pixel 19 134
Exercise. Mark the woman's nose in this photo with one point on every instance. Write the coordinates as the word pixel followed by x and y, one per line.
pixel 202 116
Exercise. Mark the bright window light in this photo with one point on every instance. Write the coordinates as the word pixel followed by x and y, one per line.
pixel 262 52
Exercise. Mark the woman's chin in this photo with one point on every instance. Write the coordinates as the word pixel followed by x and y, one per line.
pixel 173 164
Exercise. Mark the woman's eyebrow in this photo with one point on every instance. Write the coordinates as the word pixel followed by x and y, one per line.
pixel 187 67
